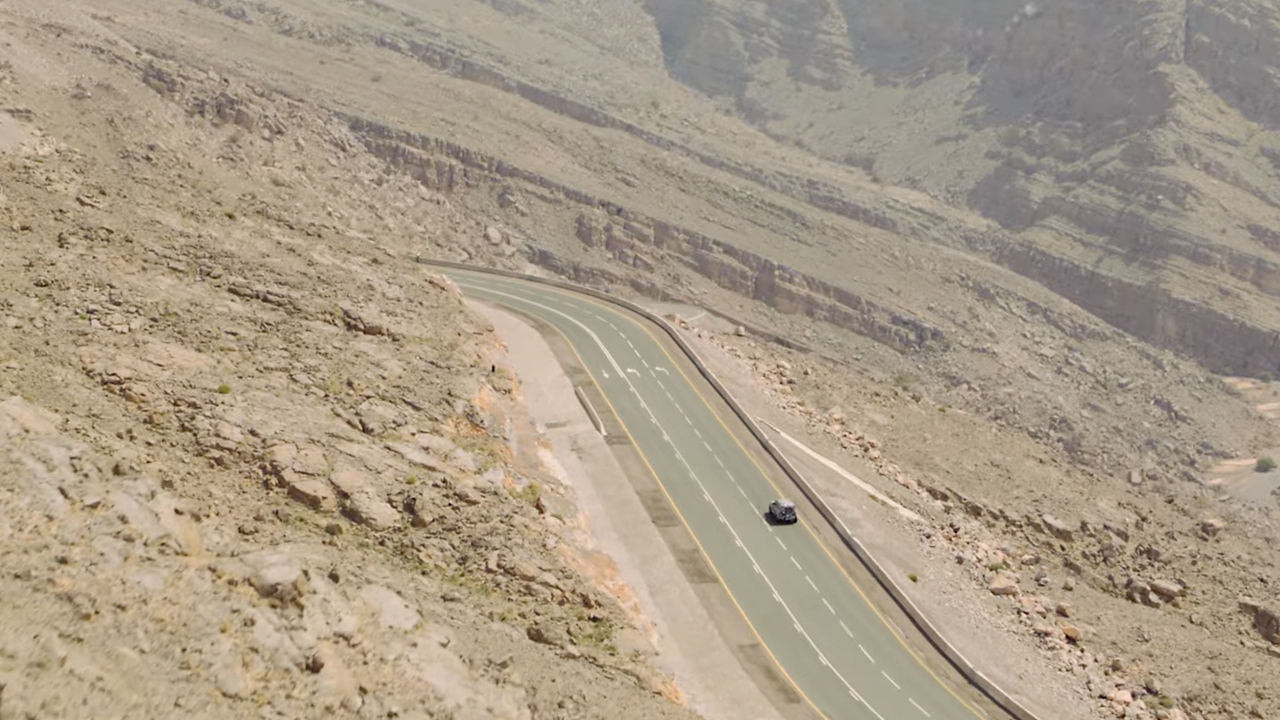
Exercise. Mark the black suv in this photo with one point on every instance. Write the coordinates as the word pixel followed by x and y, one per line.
pixel 782 512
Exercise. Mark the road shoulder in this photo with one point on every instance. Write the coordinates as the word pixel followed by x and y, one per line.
pixel 693 627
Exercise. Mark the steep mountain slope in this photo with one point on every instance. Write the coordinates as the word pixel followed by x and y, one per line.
pixel 929 283
pixel 1128 149
pixel 254 460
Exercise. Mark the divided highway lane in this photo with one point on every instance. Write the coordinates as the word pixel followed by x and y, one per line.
pixel 824 635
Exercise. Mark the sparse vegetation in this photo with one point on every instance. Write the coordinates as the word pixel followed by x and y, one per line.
pixel 529 493
pixel 1265 464
pixel 1053 411
pixel 600 635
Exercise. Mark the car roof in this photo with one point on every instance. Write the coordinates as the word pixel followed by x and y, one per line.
pixel 785 503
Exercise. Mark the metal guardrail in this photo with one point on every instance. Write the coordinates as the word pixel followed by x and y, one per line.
pixel 984 684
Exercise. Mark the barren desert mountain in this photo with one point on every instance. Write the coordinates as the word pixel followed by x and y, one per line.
pixel 1013 264
pixel 1127 152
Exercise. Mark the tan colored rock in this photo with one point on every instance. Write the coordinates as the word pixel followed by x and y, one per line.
pixel 230 679
pixel 1057 528
pixel 437 444
pixel 314 493
pixel 227 431
pixel 416 455
pixel 1212 526
pixel 545 634
pixel 337 686
pixel 182 531
pixel 281 456
pixel 280 579
pixel 391 610
pixel 372 511
pixel 311 460
pixel 525 571
pixel 1123 698
pixel 362 501
pixel 1044 629
pixel 28 417
pixel 1003 584
pixel 1167 590
pixel 1265 620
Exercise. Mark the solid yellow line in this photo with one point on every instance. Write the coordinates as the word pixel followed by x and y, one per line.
pixel 687 527
pixel 892 629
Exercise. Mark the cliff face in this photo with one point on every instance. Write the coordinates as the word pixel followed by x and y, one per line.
pixel 1127 150
pixel 1235 47
pixel 1018 52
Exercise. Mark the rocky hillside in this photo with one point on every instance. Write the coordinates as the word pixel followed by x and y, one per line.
pixel 211 214
pixel 253 459
pixel 1127 152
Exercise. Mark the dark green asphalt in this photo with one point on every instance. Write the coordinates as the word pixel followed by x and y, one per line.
pixel 822 632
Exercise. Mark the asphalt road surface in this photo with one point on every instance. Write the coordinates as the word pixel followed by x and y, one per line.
pixel 822 632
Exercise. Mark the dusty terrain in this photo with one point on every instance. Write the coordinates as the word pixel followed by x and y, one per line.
pixel 256 466
pixel 1002 304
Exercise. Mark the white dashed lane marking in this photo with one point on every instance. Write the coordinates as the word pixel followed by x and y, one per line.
pixel 795 562
pixel 864 650
pixel 895 685
pixel 829 608
pixel 922 710
pixel 720 515
pixel 784 545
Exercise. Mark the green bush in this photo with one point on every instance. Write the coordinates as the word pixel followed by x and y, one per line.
pixel 1265 464
pixel 224 389
pixel 912 577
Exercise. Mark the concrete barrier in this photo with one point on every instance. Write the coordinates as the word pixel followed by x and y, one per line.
pixel 591 410
pixel 980 681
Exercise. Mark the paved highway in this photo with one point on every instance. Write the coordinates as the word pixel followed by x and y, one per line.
pixel 824 635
